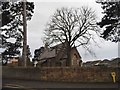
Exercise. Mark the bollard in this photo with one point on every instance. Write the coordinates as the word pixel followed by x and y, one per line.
pixel 113 74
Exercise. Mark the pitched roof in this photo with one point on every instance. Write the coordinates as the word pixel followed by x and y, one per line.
pixel 47 54
pixel 58 51
pixel 76 51
pixel 52 51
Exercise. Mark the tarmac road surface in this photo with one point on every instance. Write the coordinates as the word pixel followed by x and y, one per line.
pixel 9 84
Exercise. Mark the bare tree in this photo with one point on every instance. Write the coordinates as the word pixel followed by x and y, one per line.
pixel 71 25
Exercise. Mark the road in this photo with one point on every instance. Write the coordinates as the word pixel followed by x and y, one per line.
pixel 38 85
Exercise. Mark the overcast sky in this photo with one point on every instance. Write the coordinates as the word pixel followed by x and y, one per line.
pixel 44 9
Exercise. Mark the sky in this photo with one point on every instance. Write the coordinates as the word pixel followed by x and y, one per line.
pixel 43 11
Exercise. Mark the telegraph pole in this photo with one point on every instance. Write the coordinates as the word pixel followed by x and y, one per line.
pixel 24 34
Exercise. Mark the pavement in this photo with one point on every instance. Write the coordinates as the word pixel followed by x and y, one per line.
pixel 9 84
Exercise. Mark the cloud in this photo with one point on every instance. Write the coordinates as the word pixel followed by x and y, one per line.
pixel 44 9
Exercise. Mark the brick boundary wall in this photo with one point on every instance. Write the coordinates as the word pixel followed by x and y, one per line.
pixel 66 74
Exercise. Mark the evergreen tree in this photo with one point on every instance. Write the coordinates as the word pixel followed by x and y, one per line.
pixel 37 53
pixel 12 22
pixel 111 21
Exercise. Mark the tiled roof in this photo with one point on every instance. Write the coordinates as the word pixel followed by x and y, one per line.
pixel 47 54
pixel 58 52
pixel 52 52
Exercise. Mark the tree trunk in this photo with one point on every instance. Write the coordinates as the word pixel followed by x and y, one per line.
pixel 24 35
pixel 68 51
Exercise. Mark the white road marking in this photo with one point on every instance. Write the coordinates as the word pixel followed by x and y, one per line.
pixel 16 86
pixel 13 86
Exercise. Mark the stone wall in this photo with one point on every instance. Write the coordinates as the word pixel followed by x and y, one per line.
pixel 66 74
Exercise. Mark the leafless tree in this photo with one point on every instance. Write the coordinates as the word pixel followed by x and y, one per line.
pixel 71 25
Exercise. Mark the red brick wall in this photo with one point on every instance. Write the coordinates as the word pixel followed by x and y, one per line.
pixel 75 57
